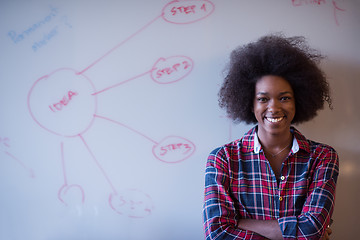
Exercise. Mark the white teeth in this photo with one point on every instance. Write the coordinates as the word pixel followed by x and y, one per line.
pixel 274 120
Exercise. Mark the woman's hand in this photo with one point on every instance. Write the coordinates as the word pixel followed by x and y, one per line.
pixel 267 228
pixel 327 234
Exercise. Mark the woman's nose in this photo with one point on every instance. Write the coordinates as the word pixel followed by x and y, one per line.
pixel 273 106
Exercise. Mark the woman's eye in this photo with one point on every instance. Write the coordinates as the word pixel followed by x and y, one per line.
pixel 262 99
pixel 285 98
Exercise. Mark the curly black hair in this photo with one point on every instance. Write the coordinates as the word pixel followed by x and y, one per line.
pixel 290 58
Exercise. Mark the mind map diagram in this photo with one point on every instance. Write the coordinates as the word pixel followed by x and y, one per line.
pixel 65 103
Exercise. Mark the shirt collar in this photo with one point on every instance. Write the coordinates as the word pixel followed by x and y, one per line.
pixel 257 146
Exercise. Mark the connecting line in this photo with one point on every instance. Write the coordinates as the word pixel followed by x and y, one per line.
pixel 121 124
pixel 21 164
pixel 123 42
pixel 65 187
pixel 98 164
pixel 120 83
pixel 63 163
pixel 335 9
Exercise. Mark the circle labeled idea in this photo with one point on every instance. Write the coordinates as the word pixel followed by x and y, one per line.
pixel 62 102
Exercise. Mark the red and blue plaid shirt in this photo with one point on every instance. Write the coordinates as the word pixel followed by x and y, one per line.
pixel 240 184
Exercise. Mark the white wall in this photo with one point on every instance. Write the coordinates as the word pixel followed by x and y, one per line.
pixel 96 143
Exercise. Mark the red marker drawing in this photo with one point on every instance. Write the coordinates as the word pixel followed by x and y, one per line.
pixel 188 11
pixel 335 6
pixel 5 148
pixel 165 71
pixel 172 149
pixel 336 9
pixel 66 188
pixel 64 103
pixel 132 203
pixel 29 170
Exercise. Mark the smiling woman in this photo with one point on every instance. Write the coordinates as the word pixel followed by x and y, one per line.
pixel 272 183
pixel 275 55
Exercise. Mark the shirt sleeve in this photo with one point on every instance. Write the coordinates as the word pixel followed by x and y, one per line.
pixel 219 208
pixel 319 205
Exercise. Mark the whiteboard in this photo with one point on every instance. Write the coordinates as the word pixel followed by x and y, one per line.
pixel 108 109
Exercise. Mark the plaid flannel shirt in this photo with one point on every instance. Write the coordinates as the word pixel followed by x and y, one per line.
pixel 239 183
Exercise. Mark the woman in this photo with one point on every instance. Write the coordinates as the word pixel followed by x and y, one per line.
pixel 273 183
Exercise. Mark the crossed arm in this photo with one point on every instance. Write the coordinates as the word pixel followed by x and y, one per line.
pixel 267 228
pixel 270 229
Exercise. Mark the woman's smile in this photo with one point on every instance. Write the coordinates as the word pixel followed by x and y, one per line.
pixel 274 119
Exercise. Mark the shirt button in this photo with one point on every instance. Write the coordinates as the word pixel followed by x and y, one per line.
pixel 282 178
pixel 280 199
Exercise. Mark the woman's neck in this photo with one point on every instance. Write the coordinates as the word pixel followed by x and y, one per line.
pixel 275 142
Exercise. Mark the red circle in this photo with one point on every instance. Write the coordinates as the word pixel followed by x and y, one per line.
pixel 63 102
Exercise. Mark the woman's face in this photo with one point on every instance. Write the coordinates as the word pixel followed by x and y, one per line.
pixel 274 105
